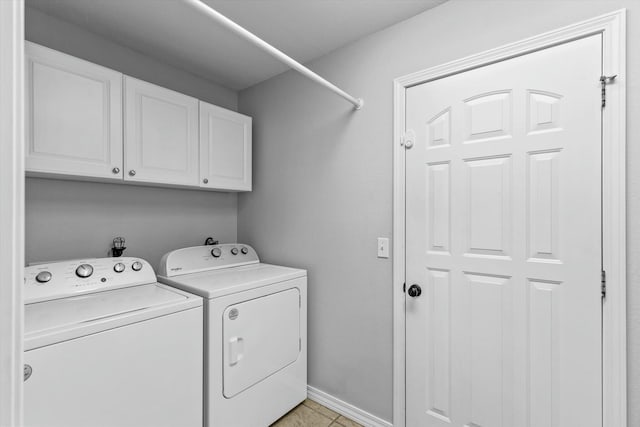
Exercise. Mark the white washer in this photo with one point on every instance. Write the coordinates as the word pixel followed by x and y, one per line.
pixel 106 345
pixel 255 331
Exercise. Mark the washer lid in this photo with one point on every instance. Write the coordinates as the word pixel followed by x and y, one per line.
pixel 58 320
pixel 225 281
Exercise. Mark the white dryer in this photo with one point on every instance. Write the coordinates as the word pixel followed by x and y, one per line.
pixel 106 345
pixel 255 331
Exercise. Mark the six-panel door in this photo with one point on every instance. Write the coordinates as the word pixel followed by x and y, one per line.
pixel 161 135
pixel 73 116
pixel 503 234
pixel 225 148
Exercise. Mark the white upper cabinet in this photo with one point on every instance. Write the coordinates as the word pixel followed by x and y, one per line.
pixel 161 135
pixel 88 122
pixel 225 149
pixel 73 116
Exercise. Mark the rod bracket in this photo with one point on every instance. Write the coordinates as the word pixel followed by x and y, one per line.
pixel 359 105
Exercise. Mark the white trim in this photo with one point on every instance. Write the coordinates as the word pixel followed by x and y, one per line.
pixel 614 225
pixel 612 27
pixel 398 257
pixel 11 209
pixel 346 409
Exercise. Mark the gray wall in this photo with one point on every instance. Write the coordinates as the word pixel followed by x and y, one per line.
pixel 323 180
pixel 66 219
pixel 69 219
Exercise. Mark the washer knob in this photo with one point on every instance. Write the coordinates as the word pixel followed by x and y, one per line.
pixel 84 271
pixel 244 250
pixel 234 251
pixel 43 277
pixel 216 252
pixel 119 267
pixel 136 266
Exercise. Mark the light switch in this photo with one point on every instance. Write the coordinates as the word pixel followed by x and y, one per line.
pixel 383 247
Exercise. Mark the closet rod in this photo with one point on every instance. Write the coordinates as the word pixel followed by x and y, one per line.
pixel 228 23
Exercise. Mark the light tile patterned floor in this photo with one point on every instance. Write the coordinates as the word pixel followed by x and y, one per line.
pixel 313 414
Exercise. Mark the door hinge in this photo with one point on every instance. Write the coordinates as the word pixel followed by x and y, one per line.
pixel 300 301
pixel 604 81
pixel 404 287
pixel 603 284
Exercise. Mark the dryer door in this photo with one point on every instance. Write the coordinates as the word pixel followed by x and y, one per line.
pixel 261 336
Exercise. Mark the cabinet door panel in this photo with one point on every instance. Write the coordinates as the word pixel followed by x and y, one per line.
pixel 225 149
pixel 161 135
pixel 74 116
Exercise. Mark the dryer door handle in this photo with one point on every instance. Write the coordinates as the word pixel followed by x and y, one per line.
pixel 236 350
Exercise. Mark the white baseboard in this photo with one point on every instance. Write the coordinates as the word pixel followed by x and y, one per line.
pixel 346 409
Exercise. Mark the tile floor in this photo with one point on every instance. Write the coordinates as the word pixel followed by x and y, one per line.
pixel 313 414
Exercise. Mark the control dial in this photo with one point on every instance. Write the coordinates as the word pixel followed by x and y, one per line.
pixel 216 252
pixel 119 267
pixel 244 250
pixel 234 251
pixel 84 271
pixel 43 277
pixel 136 266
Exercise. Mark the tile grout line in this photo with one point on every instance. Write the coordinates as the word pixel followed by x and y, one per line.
pixel 334 420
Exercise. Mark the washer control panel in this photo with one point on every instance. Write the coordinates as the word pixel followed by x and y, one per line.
pixel 43 282
pixel 205 258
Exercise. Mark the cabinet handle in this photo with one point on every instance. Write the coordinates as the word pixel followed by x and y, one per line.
pixel 132 172
pixel 206 181
pixel 115 170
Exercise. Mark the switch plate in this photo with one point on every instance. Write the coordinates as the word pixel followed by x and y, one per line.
pixel 383 247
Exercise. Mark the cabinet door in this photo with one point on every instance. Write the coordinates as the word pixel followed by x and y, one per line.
pixel 161 135
pixel 73 116
pixel 225 149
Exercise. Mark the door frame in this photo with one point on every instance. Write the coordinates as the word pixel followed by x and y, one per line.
pixel 11 209
pixel 612 26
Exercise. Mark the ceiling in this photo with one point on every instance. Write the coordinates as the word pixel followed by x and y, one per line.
pixel 174 32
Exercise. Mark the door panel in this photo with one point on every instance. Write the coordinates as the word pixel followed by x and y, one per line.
pixel 73 116
pixel 225 148
pixel 161 135
pixel 503 234
pixel 145 374
pixel 261 337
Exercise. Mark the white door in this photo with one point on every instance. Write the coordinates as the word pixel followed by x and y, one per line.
pixel 73 116
pixel 161 135
pixel 503 235
pixel 225 148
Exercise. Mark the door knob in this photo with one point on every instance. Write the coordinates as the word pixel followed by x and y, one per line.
pixel 414 291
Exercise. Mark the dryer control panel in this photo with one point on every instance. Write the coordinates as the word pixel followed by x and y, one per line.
pixel 48 281
pixel 205 258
